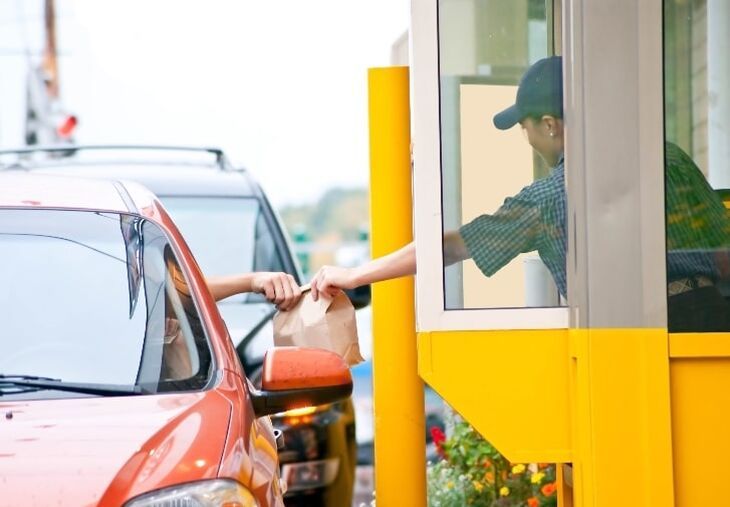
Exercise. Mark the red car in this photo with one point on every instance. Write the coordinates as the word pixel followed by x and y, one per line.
pixel 119 385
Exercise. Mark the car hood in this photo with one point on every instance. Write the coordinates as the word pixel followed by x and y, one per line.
pixel 89 451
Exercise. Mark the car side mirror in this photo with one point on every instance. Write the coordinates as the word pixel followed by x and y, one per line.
pixel 359 296
pixel 295 377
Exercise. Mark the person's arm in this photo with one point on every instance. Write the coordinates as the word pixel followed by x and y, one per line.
pixel 330 279
pixel 454 248
pixel 279 288
pixel 402 262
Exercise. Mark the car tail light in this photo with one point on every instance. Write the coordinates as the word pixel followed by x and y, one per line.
pixel 67 126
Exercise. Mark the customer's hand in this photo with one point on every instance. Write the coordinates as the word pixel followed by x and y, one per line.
pixel 279 288
pixel 329 280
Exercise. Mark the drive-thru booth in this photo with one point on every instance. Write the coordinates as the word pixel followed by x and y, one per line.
pixel 593 379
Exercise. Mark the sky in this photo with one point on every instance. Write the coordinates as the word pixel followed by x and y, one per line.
pixel 279 84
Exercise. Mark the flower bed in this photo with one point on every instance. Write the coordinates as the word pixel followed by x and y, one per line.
pixel 472 472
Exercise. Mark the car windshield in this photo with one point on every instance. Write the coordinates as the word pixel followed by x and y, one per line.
pixel 97 298
pixel 226 235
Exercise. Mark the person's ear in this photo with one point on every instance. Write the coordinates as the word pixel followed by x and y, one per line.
pixel 550 124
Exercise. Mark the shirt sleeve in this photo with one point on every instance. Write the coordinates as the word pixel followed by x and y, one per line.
pixel 494 240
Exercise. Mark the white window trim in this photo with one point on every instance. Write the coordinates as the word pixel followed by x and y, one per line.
pixel 430 313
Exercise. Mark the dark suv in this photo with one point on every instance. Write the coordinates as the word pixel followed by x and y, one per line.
pixel 230 227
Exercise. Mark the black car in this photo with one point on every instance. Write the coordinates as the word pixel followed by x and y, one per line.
pixel 230 227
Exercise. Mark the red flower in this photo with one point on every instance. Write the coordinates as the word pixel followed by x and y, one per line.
pixel 548 489
pixel 533 502
pixel 438 438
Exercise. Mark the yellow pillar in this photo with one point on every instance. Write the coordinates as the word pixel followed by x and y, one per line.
pixel 400 454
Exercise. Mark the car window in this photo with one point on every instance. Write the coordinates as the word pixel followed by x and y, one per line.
pixel 97 298
pixel 226 235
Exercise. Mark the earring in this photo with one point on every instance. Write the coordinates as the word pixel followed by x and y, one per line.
pixel 552 134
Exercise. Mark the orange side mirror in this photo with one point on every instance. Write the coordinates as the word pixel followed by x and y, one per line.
pixel 303 368
pixel 294 377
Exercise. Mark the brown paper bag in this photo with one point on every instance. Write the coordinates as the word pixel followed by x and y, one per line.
pixel 324 324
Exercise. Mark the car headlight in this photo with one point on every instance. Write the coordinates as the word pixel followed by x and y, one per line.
pixel 212 493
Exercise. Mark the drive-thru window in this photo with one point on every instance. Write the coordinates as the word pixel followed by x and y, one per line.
pixel 630 391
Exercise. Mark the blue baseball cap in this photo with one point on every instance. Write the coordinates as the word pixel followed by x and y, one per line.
pixel 540 92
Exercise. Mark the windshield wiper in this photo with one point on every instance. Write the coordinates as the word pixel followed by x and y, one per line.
pixel 74 387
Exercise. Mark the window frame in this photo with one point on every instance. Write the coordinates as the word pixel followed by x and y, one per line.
pixel 431 314
pixel 615 164
pixel 614 170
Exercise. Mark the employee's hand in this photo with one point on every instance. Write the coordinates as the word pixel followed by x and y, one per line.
pixel 279 288
pixel 329 280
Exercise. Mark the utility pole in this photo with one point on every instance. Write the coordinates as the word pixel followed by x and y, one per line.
pixel 46 121
pixel 50 53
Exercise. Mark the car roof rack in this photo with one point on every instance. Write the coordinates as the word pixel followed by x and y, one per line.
pixel 69 149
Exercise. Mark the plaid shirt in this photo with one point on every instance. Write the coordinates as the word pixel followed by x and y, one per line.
pixel 535 219
pixel 698 228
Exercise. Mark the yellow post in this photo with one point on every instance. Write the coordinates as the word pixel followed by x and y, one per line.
pixel 400 454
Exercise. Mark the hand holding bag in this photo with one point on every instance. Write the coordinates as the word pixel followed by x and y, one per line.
pixel 328 323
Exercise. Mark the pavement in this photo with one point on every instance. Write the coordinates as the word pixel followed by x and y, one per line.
pixel 364 486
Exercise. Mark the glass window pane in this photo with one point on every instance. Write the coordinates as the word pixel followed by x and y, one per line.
pixel 226 235
pixel 495 212
pixel 697 163
pixel 115 306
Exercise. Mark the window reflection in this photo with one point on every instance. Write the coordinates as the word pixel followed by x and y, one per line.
pixel 240 222
pixel 697 164
pixel 92 297
pixel 516 245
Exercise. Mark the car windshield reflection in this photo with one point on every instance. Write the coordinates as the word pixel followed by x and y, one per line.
pixel 97 298
pixel 206 222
